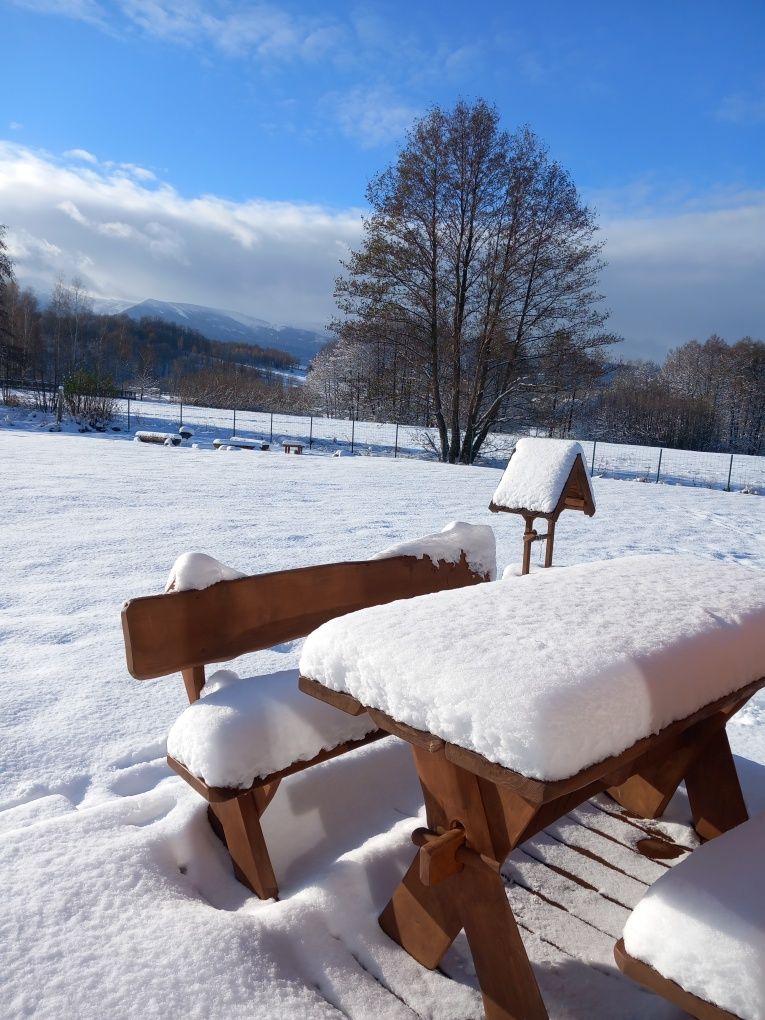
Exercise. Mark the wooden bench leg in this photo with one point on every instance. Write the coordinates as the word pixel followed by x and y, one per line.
pixel 423 919
pixel 240 820
pixel 714 791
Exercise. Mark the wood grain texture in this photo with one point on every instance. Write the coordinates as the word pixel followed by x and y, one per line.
pixel 171 632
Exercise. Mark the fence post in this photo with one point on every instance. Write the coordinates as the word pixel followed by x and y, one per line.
pixel 592 465
pixel 353 432
pixel 395 448
pixel 730 472
pixel 658 469
pixel 181 422
pixel 271 431
pixel 128 400
pixel 310 434
pixel 234 421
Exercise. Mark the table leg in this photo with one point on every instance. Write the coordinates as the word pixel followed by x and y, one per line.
pixel 465 891
pixel 714 791
pixel 508 986
pixel 702 757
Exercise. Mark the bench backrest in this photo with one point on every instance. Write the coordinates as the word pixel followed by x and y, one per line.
pixel 186 630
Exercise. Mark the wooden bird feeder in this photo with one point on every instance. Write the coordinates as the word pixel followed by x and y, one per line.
pixel 543 478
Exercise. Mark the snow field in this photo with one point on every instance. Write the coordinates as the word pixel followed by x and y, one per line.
pixel 334 435
pixel 117 896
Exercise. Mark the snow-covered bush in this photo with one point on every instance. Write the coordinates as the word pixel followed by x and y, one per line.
pixel 90 401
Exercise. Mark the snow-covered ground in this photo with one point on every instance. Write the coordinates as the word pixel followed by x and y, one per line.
pixel 118 899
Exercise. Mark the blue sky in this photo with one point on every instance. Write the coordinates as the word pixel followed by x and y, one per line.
pixel 140 132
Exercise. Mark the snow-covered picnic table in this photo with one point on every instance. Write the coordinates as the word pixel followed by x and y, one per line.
pixel 524 698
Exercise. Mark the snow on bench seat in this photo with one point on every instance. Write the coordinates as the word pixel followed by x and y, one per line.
pixel 702 925
pixel 549 674
pixel 246 729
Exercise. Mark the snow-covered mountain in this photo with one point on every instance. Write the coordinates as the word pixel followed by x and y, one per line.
pixel 218 324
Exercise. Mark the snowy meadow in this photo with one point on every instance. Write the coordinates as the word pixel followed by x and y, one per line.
pixel 118 898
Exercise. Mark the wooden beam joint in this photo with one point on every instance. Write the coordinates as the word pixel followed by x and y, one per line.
pixel 438 853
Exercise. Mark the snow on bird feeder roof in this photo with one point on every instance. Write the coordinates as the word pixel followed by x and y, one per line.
pixel 543 478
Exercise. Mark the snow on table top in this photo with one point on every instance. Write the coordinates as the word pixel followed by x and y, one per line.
pixel 550 673
pixel 475 540
pixel 703 923
pixel 536 473
pixel 246 729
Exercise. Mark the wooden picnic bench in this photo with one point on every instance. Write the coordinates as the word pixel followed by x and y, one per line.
pixel 187 630
pixel 293 447
pixel 240 443
pixel 478 809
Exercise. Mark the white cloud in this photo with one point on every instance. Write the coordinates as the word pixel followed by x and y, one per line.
pixel 80 10
pixel 133 239
pixel 684 272
pixel 15 126
pixel 81 154
pixel 373 116
pixel 241 29
pixel 71 210
pixel 743 108
pixel 679 267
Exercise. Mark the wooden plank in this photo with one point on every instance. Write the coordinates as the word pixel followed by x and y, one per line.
pixel 167 633
pixel 583 865
pixel 655 982
pixel 615 844
pixel 417 738
pixel 554 924
pixel 581 901
pixel 338 699
pixel 656 827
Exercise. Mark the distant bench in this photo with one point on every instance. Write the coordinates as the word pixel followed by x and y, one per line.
pixel 236 744
pixel 240 443
pixel 161 438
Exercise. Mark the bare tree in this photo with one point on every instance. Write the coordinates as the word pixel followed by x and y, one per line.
pixel 477 251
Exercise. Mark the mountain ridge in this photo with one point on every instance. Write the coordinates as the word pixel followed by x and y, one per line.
pixel 222 324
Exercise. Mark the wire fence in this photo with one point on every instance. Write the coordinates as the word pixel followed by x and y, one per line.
pixel 733 472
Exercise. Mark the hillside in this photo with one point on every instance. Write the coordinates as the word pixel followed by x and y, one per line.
pixel 230 327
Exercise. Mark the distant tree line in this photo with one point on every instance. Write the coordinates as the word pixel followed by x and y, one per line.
pixel 64 343
pixel 706 396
